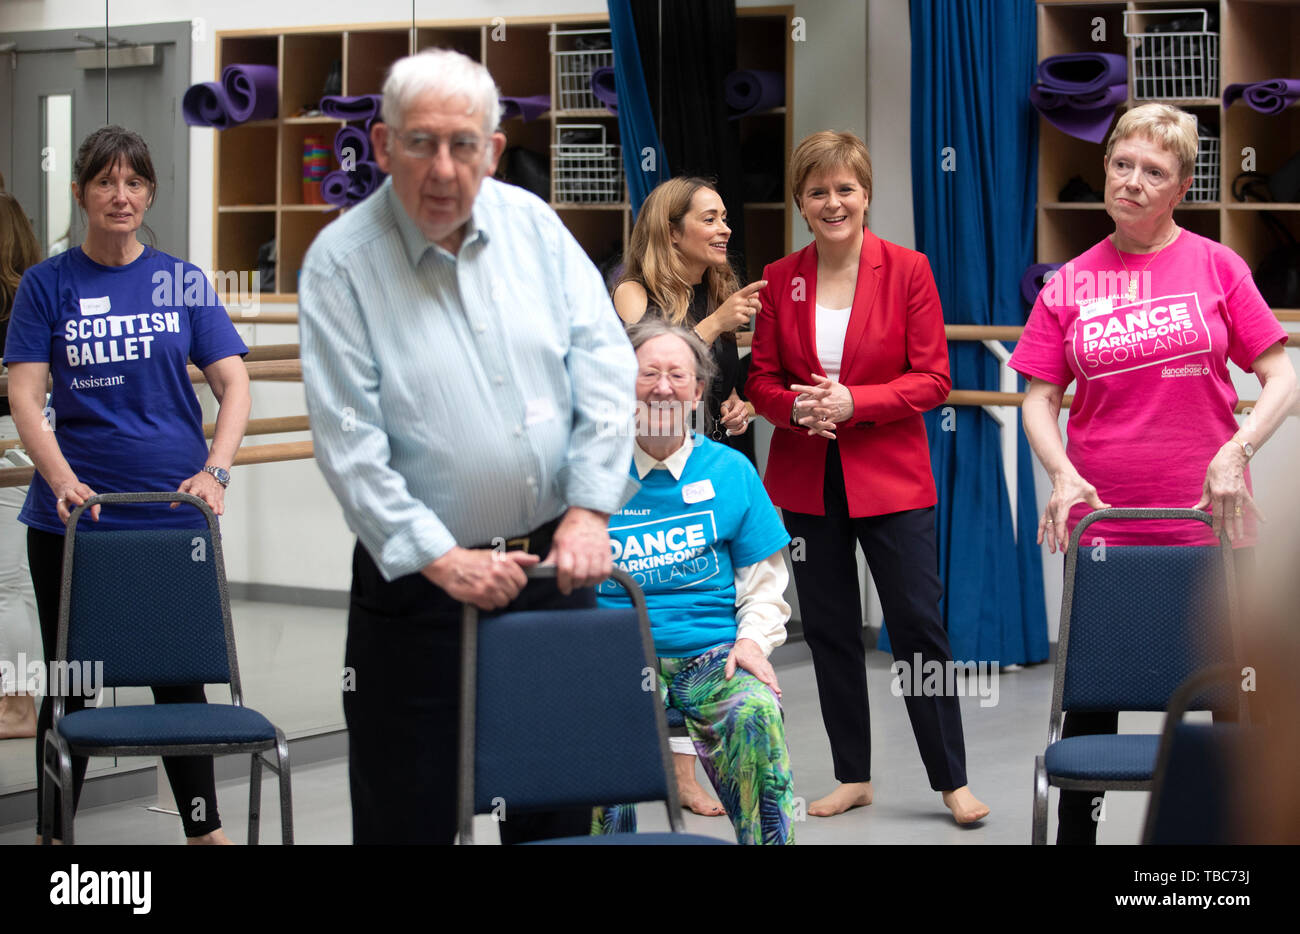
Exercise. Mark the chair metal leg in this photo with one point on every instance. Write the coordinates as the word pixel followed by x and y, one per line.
pixel 254 798
pixel 286 790
pixel 65 794
pixel 46 828
pixel 1040 802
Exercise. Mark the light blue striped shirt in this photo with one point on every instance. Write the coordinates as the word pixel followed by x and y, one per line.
pixel 459 398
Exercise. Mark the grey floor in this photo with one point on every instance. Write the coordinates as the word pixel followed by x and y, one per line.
pixel 307 644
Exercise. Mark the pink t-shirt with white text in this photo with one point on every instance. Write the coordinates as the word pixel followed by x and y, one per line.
pixel 1154 400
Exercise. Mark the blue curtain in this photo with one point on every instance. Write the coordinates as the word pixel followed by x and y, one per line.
pixel 636 122
pixel 974 181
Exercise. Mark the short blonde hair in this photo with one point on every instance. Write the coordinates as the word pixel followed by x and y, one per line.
pixel 1170 128
pixel 827 150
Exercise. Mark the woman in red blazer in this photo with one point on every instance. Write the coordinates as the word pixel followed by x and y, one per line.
pixel 848 351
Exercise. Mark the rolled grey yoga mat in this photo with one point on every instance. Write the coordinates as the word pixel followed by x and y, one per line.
pixel 749 91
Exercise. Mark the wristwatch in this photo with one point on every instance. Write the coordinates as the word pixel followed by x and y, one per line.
pixel 221 473
pixel 1245 446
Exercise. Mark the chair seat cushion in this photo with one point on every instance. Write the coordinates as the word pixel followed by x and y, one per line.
pixel 1111 757
pixel 636 839
pixel 165 725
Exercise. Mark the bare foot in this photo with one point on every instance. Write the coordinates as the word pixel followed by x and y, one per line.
pixel 216 838
pixel 17 716
pixel 965 807
pixel 846 796
pixel 693 797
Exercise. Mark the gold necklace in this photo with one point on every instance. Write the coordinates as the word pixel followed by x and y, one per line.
pixel 1133 280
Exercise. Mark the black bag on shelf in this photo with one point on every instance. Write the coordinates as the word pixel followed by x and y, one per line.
pixel 1278 273
pixel 266 266
pixel 528 170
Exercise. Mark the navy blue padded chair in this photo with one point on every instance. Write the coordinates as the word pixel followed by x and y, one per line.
pixel 1136 621
pixel 1198 770
pixel 152 605
pixel 560 708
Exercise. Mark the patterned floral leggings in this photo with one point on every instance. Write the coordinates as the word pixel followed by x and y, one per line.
pixel 738 730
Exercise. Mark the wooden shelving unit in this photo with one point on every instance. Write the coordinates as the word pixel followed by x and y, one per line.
pixel 256 180
pixel 1258 39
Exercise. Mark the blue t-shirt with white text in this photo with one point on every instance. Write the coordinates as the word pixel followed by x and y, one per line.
pixel 118 340
pixel 682 540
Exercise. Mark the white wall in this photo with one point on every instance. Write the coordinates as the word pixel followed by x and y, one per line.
pixel 283 525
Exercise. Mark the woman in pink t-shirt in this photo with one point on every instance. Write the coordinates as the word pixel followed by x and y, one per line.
pixel 1145 323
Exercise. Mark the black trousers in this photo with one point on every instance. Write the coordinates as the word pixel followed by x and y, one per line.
pixel 1075 820
pixel 902 554
pixel 403 708
pixel 192 779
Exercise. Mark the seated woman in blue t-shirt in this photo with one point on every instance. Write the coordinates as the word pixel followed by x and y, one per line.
pixel 116 323
pixel 704 542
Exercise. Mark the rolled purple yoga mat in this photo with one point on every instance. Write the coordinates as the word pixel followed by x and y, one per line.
pixel 334 188
pixel 344 189
pixel 529 108
pixel 206 105
pixel 1268 97
pixel 355 139
pixel 357 109
pixel 253 91
pixel 1035 278
pixel 365 179
pixel 1084 115
pixel 603 88
pixel 750 92
pixel 1081 72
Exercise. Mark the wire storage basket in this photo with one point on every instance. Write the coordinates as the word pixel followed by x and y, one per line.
pixel 1174 57
pixel 1205 175
pixel 575 54
pixel 584 168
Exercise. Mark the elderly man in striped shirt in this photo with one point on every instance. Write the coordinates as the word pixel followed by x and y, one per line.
pixel 459 353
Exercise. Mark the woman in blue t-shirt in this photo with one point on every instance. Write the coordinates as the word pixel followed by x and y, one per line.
pixel 115 323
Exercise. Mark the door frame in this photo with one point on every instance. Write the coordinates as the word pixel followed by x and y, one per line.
pixel 178 34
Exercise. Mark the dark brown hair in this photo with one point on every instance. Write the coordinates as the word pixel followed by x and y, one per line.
pixel 105 148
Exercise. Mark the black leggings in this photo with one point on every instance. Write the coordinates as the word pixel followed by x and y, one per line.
pixel 192 778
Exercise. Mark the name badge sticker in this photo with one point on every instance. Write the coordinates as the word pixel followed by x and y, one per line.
pixel 539 410
pixel 95 306
pixel 1094 309
pixel 698 492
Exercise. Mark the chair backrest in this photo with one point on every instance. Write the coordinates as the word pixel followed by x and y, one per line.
pixel 150 604
pixel 1199 771
pixel 563 711
pixel 1137 620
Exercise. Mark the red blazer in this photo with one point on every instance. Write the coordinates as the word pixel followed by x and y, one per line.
pixel 895 364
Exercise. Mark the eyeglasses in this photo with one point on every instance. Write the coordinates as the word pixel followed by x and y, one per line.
pixel 677 378
pixel 465 148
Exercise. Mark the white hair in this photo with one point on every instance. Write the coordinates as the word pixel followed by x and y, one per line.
pixel 445 74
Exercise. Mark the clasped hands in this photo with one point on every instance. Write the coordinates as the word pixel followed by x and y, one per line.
pixel 821 407
pixel 491 579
